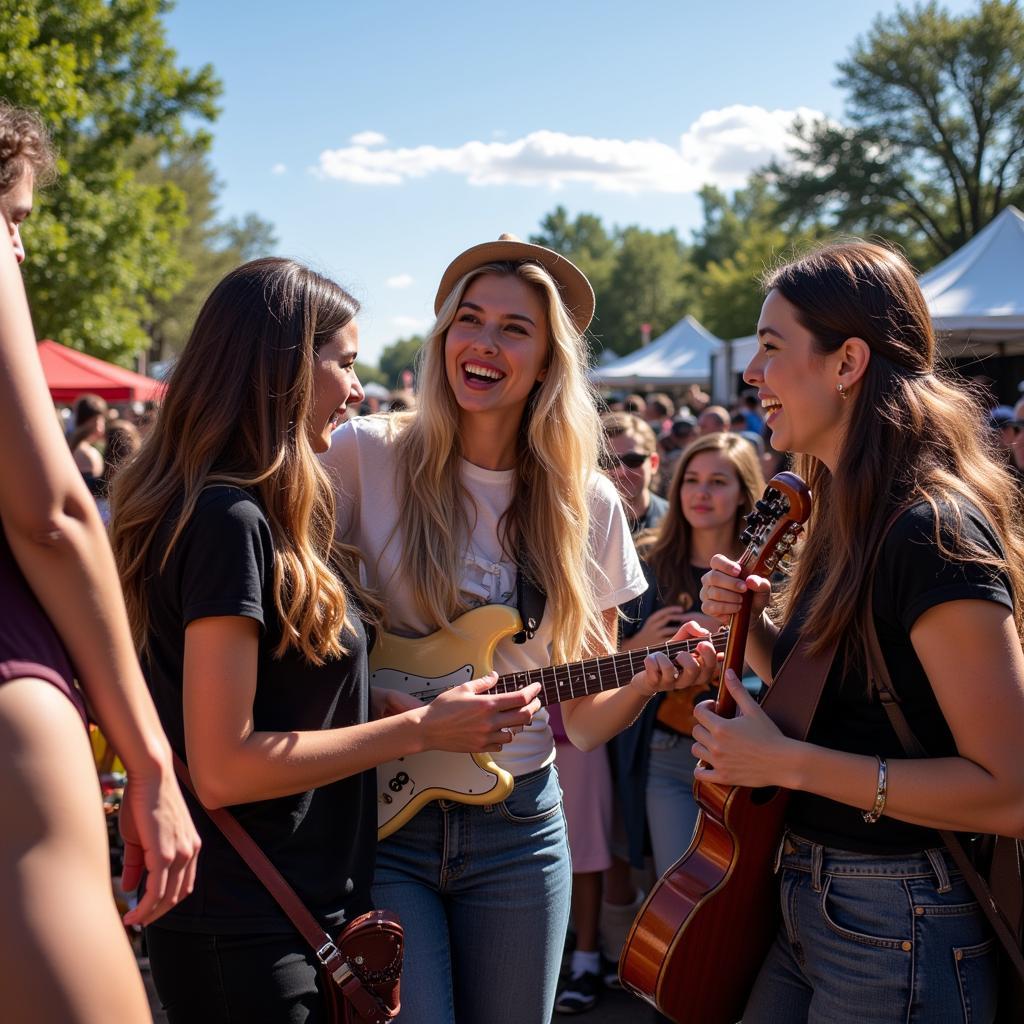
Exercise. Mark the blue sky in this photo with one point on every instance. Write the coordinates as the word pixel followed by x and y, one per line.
pixel 382 138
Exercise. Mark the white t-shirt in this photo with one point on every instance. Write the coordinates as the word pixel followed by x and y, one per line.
pixel 361 463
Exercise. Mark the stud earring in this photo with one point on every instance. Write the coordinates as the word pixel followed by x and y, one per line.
pixel 841 388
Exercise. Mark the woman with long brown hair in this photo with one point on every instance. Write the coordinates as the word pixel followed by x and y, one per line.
pixel 495 475
pixel 715 484
pixel 254 630
pixel 916 533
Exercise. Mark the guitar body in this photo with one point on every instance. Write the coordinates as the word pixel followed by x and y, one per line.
pixel 718 905
pixel 425 667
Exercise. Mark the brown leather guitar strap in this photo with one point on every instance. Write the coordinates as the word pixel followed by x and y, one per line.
pixel 881 683
pixel 796 690
pixel 365 1002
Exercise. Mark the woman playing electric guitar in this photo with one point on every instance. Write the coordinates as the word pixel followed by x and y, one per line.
pixel 496 471
pixel 916 526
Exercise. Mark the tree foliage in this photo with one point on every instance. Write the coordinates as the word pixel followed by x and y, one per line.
pixel 398 357
pixel 104 240
pixel 934 144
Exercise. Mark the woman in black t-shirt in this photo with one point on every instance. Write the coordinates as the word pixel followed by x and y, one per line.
pixel 878 925
pixel 250 621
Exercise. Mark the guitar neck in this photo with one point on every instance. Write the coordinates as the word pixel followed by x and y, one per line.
pixel 581 678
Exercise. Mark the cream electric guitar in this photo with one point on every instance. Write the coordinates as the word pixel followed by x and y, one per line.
pixel 427 666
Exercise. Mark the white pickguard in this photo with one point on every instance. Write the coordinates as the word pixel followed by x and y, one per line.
pixel 441 773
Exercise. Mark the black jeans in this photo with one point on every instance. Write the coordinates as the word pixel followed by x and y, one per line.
pixel 235 979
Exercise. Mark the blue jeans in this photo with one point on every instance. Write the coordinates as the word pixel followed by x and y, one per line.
pixel 671 808
pixel 871 939
pixel 483 894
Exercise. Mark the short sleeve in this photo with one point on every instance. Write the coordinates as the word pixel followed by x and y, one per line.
pixel 915 575
pixel 226 557
pixel 617 570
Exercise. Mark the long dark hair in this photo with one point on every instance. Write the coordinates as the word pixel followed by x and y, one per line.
pixel 237 411
pixel 912 435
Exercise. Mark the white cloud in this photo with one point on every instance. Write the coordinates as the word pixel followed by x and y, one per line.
pixel 399 281
pixel 279 169
pixel 368 139
pixel 411 323
pixel 720 148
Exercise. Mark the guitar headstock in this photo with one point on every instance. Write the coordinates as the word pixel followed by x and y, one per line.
pixel 775 523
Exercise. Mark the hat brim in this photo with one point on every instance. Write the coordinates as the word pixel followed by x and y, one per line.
pixel 574 288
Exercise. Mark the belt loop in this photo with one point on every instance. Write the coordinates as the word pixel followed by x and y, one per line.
pixel 817 856
pixel 938 863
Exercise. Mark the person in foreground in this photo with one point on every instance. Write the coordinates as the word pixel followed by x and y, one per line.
pixel 65 953
pixel 877 923
pixel 493 474
pixel 251 623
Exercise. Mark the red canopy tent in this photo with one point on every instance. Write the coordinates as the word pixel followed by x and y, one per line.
pixel 70 373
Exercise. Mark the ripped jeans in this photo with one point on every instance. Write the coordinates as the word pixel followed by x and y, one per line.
pixel 869 939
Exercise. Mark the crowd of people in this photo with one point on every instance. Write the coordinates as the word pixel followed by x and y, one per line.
pixel 210 587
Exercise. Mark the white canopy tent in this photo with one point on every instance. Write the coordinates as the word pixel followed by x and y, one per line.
pixel 976 296
pixel 682 355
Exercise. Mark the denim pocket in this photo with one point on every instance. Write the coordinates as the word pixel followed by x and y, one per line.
pixel 976 975
pixel 867 910
pixel 535 798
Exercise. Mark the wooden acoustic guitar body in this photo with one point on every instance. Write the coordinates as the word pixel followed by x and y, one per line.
pixel 701 936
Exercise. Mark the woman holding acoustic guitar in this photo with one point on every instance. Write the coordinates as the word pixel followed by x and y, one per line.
pixel 915 535
pixel 715 484
pixel 495 477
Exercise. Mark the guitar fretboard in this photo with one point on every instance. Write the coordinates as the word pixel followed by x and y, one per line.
pixel 581 678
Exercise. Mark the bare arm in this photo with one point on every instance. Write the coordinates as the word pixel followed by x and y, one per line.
pixel 58 540
pixel 972 656
pixel 593 720
pixel 232 763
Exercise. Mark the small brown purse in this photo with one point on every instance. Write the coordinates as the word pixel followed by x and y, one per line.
pixel 361 969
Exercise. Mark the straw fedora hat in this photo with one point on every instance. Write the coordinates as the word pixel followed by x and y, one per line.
pixel 577 295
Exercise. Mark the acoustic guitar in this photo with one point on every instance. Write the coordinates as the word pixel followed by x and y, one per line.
pixel 427 666
pixel 700 938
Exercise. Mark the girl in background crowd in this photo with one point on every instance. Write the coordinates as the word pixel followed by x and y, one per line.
pixel 65 953
pixel 916 530
pixel 89 425
pixel 496 472
pixel 716 482
pixel 251 624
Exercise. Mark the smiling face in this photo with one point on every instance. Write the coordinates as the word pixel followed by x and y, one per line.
pixel 15 206
pixel 496 348
pixel 797 386
pixel 335 385
pixel 710 494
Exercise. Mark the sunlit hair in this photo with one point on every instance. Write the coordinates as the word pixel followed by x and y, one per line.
pixel 628 424
pixel 24 146
pixel 237 412
pixel 548 521
pixel 667 546
pixel 912 435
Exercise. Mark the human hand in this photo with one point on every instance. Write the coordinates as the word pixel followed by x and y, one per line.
pixel 657 628
pixel 384 703
pixel 467 719
pixel 695 669
pixel 722 588
pixel 748 750
pixel 159 836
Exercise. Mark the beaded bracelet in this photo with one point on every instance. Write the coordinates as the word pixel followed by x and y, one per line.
pixel 880 793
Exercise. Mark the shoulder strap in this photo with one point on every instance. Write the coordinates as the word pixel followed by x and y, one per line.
pixel 881 683
pixel 530 601
pixel 363 1001
pixel 796 690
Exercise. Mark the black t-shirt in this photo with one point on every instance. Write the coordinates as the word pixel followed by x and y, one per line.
pixel 912 576
pixel 322 841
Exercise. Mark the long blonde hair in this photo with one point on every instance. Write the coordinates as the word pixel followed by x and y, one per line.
pixel 547 524
pixel 236 412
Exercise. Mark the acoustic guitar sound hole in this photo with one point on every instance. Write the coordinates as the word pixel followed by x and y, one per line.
pixel 763 795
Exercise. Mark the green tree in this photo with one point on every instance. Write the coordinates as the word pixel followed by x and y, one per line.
pixel 368 374
pixel 104 239
pixel 934 144
pixel 208 246
pixel 583 240
pixel 397 357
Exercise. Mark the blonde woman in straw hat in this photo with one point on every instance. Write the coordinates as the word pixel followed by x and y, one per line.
pixel 495 470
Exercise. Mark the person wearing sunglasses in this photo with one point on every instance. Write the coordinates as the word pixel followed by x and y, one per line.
pixel 631 462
